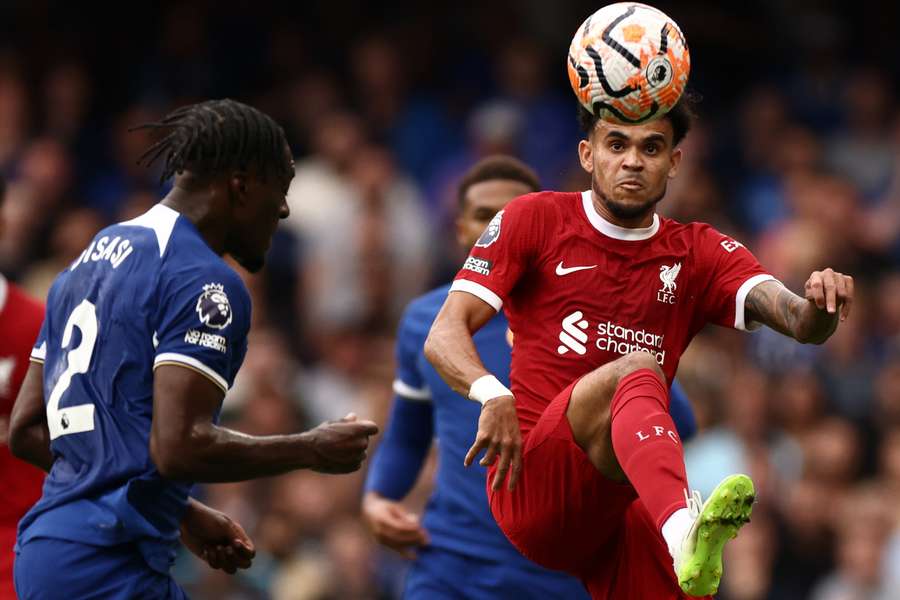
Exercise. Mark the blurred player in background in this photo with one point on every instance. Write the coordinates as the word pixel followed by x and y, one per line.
pixel 597 484
pixel 144 334
pixel 458 534
pixel 20 321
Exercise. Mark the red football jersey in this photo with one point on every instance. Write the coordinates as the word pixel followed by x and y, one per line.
pixel 20 322
pixel 579 291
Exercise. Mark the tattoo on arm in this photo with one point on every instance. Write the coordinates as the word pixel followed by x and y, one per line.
pixel 772 304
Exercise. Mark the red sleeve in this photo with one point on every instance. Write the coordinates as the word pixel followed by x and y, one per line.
pixel 20 320
pixel 732 272
pixel 503 252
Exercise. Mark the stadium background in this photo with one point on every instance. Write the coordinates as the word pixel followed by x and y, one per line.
pixel 797 154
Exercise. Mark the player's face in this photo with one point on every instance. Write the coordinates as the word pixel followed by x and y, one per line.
pixel 630 165
pixel 262 202
pixel 483 201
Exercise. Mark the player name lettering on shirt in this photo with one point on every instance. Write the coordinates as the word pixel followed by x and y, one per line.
pixel 115 251
pixel 207 340
pixel 478 265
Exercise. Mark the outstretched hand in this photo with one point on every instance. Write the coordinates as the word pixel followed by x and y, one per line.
pixel 498 434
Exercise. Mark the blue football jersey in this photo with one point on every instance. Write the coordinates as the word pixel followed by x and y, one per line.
pixel 145 292
pixel 457 517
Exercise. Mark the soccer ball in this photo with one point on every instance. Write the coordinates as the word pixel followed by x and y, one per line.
pixel 629 62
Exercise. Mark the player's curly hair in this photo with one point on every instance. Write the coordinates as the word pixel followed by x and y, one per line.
pixel 217 136
pixel 494 167
pixel 681 116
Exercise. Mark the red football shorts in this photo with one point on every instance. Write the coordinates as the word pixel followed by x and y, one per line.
pixel 564 515
pixel 7 541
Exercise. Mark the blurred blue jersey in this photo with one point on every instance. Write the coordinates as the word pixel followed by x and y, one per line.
pixel 145 292
pixel 457 517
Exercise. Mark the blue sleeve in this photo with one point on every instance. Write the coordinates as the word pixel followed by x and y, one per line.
pixel 407 438
pixel 39 351
pixel 682 413
pixel 202 324
pixel 409 382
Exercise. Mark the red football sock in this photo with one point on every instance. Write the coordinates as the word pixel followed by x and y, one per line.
pixel 647 445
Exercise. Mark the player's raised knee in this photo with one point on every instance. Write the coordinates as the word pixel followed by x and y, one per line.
pixel 635 361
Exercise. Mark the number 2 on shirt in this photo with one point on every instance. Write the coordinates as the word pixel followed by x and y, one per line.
pixel 74 419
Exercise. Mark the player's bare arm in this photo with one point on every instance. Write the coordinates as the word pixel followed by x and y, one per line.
pixel 810 320
pixel 185 444
pixel 208 533
pixel 29 437
pixel 449 346
pixel 450 349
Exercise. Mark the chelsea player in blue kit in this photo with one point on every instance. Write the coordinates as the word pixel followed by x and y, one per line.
pixel 143 335
pixel 459 551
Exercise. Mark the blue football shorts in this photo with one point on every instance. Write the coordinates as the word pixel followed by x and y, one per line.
pixel 439 574
pixel 48 569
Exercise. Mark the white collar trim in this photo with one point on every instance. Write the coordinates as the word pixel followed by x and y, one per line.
pixel 4 290
pixel 614 231
pixel 161 219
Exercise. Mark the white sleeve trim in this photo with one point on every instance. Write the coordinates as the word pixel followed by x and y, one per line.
pixel 190 361
pixel 741 297
pixel 479 291
pixel 40 352
pixel 410 393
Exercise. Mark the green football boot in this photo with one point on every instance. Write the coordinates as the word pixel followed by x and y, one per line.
pixel 699 566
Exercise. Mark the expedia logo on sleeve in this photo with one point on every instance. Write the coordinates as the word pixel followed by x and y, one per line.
pixel 213 307
pixel 492 233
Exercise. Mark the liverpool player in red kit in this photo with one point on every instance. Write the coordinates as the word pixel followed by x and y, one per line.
pixel 20 322
pixel 603 296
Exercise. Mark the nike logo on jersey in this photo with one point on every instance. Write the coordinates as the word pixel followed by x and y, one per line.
pixel 561 270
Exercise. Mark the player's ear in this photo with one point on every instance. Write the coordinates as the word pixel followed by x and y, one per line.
pixel 238 183
pixel 586 155
pixel 674 162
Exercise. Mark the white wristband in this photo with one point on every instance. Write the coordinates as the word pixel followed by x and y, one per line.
pixel 487 388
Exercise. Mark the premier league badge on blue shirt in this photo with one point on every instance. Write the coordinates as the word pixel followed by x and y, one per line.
pixel 213 307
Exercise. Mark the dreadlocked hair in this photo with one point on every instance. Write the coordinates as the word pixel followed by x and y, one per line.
pixel 217 136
